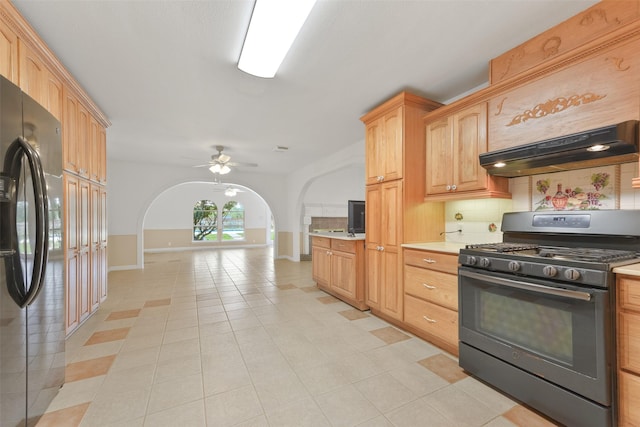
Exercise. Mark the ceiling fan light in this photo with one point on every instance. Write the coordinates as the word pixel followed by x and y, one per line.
pixel 224 169
pixel 215 168
pixel 230 192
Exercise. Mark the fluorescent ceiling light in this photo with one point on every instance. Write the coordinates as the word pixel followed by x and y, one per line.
pixel 273 28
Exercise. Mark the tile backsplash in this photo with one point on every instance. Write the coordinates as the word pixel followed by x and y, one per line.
pixel 480 217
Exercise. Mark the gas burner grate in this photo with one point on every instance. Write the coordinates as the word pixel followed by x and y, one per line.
pixel 504 247
pixel 587 254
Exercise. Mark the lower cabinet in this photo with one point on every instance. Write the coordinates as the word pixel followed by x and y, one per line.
pixel 338 268
pixel 431 297
pixel 628 346
pixel 85 249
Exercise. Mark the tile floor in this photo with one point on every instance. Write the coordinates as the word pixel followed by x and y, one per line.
pixel 234 338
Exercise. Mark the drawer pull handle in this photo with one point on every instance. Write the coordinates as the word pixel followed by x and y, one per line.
pixel 429 319
pixel 429 260
pixel 428 286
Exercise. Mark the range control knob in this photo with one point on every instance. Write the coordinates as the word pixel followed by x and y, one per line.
pixel 572 274
pixel 471 260
pixel 549 271
pixel 485 262
pixel 514 266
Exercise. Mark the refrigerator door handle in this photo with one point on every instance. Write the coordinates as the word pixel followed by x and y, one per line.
pixel 13 167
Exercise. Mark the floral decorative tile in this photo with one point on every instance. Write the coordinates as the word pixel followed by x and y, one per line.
pixel 586 189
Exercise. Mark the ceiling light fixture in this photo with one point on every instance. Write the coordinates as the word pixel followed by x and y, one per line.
pixel 222 170
pixel 273 28
pixel 230 192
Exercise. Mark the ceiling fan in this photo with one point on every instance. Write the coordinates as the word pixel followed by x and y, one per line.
pixel 220 163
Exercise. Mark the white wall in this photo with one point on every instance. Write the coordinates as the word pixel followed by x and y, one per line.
pixel 173 209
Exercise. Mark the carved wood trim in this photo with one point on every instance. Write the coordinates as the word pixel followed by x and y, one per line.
pixel 554 106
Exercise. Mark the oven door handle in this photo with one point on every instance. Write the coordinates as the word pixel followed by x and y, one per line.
pixel 566 293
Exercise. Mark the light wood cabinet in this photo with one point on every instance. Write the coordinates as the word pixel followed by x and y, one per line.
pixel 454 144
pixel 396 211
pixel 338 268
pixel 431 297
pixel 71 195
pixel 628 346
pixel 384 237
pixel 8 53
pixel 384 142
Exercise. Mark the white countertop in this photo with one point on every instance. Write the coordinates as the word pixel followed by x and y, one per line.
pixel 448 247
pixel 339 236
pixel 630 270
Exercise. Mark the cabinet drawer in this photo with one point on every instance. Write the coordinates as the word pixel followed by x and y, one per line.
pixel 323 242
pixel 433 286
pixel 432 319
pixel 629 400
pixel 432 260
pixel 343 245
pixel 629 341
pixel 629 293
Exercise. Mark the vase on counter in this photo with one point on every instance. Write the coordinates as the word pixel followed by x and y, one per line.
pixel 560 200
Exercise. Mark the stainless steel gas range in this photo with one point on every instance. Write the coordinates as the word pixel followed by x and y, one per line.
pixel 537 313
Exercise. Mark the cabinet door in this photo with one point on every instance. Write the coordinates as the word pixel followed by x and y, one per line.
pixel 470 140
pixel 439 156
pixel 373 142
pixel 629 400
pixel 71 187
pixel 392 145
pixel 373 242
pixel 94 242
pixel 70 131
pixel 102 274
pixel 321 265
pixel 343 273
pixel 93 146
pixel 391 289
pixel 84 241
pixel 8 54
pixel 54 95
pixel 102 155
pixel 83 141
pixel 33 74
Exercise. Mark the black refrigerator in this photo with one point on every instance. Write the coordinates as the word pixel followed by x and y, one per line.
pixel 32 263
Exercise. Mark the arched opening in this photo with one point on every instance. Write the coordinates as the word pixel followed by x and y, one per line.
pixel 178 217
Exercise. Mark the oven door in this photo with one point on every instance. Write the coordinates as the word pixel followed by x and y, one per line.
pixel 560 333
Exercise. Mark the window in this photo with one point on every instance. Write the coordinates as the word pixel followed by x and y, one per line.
pixel 209 226
pixel 205 221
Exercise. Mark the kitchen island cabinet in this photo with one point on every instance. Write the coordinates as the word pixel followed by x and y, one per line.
pixel 338 267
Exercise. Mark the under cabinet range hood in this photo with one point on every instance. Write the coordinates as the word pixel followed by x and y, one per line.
pixel 603 146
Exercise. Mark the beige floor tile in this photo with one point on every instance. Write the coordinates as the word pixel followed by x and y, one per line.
pixel 323 378
pixel 385 392
pixel 353 314
pixel 225 377
pixel 232 407
pixel 460 408
pixel 492 398
pixel 417 379
pixel 135 358
pixel 122 407
pixel 302 413
pixel 175 393
pixel 186 415
pixel 176 368
pixel 416 413
pixel 346 406
pixel 181 349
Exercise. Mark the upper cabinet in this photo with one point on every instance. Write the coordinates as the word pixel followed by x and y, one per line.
pixel 453 146
pixel 384 148
pixel 8 53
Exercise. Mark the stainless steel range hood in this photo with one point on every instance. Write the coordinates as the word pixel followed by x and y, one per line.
pixel 603 146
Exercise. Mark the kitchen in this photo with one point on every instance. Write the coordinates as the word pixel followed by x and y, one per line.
pixel 291 249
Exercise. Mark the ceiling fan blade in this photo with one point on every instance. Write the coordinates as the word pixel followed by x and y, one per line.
pixel 203 166
pixel 241 164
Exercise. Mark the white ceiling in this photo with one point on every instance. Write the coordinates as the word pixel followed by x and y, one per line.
pixel 164 72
